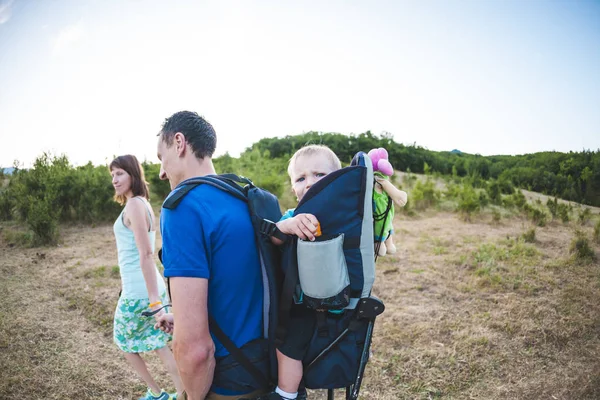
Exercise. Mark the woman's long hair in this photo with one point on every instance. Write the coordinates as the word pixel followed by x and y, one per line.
pixel 130 164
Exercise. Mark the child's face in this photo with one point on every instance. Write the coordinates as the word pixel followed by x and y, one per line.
pixel 307 170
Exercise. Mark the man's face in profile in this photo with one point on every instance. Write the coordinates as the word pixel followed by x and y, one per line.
pixel 167 155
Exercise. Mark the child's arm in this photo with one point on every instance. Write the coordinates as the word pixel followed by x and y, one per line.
pixel 398 196
pixel 302 225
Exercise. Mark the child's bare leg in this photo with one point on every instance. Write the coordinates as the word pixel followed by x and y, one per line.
pixel 389 244
pixel 289 373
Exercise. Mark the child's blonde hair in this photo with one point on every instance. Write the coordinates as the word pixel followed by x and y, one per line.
pixel 313 149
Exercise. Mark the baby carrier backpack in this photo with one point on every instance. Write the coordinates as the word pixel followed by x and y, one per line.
pixel 335 273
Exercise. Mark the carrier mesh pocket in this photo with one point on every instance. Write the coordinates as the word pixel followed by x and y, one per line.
pixel 323 273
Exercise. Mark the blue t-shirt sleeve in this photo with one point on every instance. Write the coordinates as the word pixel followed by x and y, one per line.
pixel 288 214
pixel 186 250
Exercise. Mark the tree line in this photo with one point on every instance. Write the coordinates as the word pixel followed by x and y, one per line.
pixel 571 176
pixel 55 192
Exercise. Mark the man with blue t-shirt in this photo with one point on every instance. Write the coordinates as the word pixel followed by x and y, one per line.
pixel 210 258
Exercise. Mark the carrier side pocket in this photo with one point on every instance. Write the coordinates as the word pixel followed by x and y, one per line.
pixel 323 273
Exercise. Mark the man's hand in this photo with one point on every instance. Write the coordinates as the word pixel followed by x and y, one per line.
pixel 305 226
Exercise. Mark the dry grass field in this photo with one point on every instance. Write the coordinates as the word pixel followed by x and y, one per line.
pixel 473 311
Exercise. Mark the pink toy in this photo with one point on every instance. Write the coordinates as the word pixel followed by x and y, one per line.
pixel 380 161
pixel 384 189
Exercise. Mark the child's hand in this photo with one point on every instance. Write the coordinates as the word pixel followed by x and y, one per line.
pixel 165 323
pixel 305 226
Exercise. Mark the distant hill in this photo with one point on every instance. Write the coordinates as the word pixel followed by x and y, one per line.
pixel 7 171
pixel 455 151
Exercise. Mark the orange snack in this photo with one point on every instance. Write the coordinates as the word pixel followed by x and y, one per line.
pixel 318 233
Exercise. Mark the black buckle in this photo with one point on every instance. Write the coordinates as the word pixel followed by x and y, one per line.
pixel 269 228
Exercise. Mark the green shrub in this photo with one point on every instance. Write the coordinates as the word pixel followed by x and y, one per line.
pixel 580 248
pixel 159 188
pixel 468 201
pixel 54 191
pixel 538 216
pixel 494 192
pixel 508 202
pixel 529 235
pixel 18 238
pixel 426 169
pixel 552 207
pixel 475 180
pixel 484 200
pixel 95 201
pixel 452 191
pixel 519 199
pixel 563 211
pixel 7 205
pixel 424 194
pixel 597 232
pixel 43 222
pixel 506 186
pixel 266 172
pixel 584 216
pixel 82 194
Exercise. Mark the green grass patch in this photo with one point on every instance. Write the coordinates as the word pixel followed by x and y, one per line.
pixel 18 238
pixel 439 250
pixel 529 235
pixel 580 248
pixel 507 264
pixel 98 272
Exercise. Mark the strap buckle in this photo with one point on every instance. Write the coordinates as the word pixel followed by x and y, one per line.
pixel 269 228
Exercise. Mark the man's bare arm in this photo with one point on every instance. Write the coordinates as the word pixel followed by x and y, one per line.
pixel 193 347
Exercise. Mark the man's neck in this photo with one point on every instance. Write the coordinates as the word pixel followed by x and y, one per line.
pixel 198 167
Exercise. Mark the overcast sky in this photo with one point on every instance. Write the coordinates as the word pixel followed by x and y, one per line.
pixel 93 79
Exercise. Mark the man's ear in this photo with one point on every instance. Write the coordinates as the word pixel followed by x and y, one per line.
pixel 180 143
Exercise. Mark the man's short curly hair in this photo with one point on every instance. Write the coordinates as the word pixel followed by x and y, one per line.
pixel 198 132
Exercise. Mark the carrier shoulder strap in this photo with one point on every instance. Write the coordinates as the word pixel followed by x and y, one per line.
pixel 227 183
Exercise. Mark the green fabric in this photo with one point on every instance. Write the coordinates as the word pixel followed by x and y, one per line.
pixel 381 202
pixel 134 333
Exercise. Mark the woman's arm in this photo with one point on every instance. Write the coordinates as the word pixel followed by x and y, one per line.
pixel 136 212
